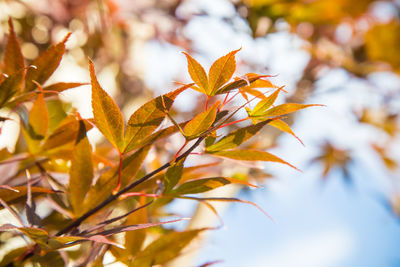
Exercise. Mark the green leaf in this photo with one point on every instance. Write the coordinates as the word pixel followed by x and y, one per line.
pixel 108 180
pixel 65 133
pixel 201 122
pixel 221 71
pixel 250 155
pixel 148 117
pixel 45 64
pixel 286 109
pixel 281 125
pixel 10 86
pixel 237 137
pixel 197 73
pixel 206 184
pixel 164 249
pixel 173 175
pixel 13 196
pixel 13 59
pixel 81 171
pixel 107 116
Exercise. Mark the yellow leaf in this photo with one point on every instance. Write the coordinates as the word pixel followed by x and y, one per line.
pixel 107 116
pixel 221 72
pixel 197 73
pixel 281 125
pixel 201 122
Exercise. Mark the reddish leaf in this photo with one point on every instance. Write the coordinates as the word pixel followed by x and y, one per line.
pixel 221 72
pixel 201 122
pixel 198 74
pixel 250 155
pixel 45 65
pixel 13 59
pixel 107 116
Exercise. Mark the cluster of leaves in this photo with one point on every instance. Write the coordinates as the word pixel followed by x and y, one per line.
pixel 113 193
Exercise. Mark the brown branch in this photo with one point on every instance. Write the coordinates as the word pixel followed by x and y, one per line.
pixel 115 196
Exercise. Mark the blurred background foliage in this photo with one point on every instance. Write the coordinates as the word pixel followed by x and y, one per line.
pixel 360 37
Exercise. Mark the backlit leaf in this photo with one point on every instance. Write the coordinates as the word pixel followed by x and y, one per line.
pixel 173 175
pixel 12 196
pixel 265 104
pixel 65 133
pixel 45 64
pixel 201 122
pixel 81 171
pixel 134 239
pixel 281 125
pixel 286 109
pixel 250 155
pixel 237 137
pixel 148 117
pixel 221 72
pixel 164 249
pixel 197 73
pixel 59 87
pixel 10 86
pixel 13 59
pixel 38 122
pixel 206 184
pixel 249 78
pixel 107 116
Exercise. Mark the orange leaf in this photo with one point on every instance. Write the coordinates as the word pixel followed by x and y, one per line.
pixel 221 72
pixel 287 108
pixel 13 59
pixel 12 196
pixel 107 116
pixel 45 64
pixel 38 122
pixel 197 73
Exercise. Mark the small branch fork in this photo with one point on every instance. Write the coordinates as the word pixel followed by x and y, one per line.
pixel 115 196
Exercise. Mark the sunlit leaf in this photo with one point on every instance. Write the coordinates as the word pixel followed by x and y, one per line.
pixel 38 122
pixel 81 171
pixel 173 175
pixel 40 236
pixel 107 116
pixel 221 72
pixel 45 65
pixel 65 133
pixel 206 184
pixel 148 117
pixel 281 125
pixel 265 104
pixel 237 137
pixel 198 74
pixel 286 109
pixel 61 86
pixel 164 249
pixel 12 196
pixel 250 155
pixel 13 59
pixel 249 78
pixel 201 122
